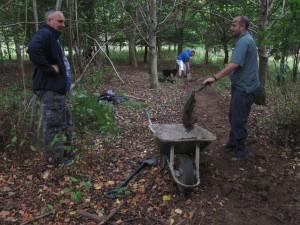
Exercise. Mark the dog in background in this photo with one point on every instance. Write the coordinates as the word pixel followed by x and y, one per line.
pixel 169 74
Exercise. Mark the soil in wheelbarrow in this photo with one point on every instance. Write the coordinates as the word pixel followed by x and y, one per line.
pixel 264 190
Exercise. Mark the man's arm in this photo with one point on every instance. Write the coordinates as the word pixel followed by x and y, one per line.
pixel 224 72
pixel 36 51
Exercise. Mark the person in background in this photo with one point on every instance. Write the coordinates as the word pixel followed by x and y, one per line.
pixel 243 71
pixel 183 62
pixel 51 82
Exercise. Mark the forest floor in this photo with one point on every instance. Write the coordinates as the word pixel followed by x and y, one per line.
pixel 262 190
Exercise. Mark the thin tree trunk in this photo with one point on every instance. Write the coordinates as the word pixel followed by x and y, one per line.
pixel 7 47
pixel 35 15
pixel 132 43
pixel 158 48
pixel 132 50
pixel 295 64
pixel 1 52
pixel 180 27
pixel 106 43
pixel 206 55
pixel 58 4
pixel 78 54
pixel 70 44
pixel 152 44
pixel 146 53
pixel 226 58
pixel 20 64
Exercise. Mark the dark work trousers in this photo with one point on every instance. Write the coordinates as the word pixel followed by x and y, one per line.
pixel 240 107
pixel 56 125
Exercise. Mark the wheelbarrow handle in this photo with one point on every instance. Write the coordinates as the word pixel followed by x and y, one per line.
pixel 148 116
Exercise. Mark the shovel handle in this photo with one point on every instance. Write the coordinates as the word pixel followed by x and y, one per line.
pixel 200 88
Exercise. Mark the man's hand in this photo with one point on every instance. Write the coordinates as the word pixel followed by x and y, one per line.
pixel 209 81
pixel 56 68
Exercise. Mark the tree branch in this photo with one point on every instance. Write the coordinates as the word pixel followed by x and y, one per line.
pixel 106 57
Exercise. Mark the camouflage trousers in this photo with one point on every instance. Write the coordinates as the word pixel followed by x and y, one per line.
pixel 56 125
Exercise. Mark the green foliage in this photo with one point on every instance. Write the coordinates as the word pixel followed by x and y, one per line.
pixel 51 208
pixel 134 104
pixel 75 191
pixel 10 97
pixel 88 114
pixel 283 125
pixel 76 196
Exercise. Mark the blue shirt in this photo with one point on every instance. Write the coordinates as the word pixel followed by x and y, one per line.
pixel 244 53
pixel 185 55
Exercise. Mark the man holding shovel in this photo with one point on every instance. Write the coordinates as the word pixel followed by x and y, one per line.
pixel 183 62
pixel 243 71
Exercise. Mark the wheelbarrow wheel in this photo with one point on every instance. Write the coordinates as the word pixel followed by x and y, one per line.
pixel 184 171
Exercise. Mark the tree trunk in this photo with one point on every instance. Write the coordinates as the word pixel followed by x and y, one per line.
pixel 146 53
pixel 263 64
pixel 20 65
pixel 1 52
pixel 58 4
pixel 70 44
pixel 19 58
pixel 152 44
pixel 132 50
pixel 158 48
pixel 35 15
pixel 295 64
pixel 206 55
pixel 265 7
pixel 77 47
pixel 226 58
pixel 7 47
pixel 106 43
pixel 180 27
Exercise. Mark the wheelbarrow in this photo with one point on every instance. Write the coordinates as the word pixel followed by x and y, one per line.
pixel 180 151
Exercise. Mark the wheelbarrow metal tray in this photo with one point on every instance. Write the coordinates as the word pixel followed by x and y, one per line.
pixel 183 141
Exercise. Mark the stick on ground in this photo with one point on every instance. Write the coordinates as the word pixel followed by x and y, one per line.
pixel 103 219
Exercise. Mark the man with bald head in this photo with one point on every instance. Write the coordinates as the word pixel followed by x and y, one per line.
pixel 51 82
pixel 243 71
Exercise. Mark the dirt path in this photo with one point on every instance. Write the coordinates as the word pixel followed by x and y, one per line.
pixel 262 190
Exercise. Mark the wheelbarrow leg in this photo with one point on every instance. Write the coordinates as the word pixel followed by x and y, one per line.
pixel 175 177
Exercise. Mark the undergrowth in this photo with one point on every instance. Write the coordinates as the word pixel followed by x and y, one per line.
pixel 283 125
pixel 19 124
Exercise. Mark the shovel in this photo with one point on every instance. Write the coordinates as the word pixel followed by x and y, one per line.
pixel 187 116
pixel 120 189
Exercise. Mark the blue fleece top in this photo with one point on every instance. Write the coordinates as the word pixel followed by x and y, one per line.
pixel 44 50
pixel 245 77
pixel 185 55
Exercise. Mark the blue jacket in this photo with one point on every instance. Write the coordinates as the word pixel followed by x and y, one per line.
pixel 44 50
pixel 185 55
